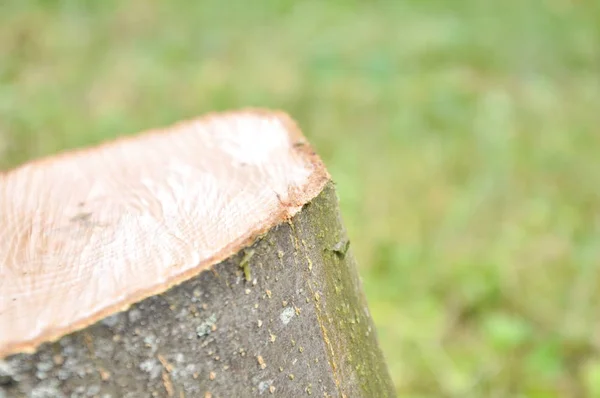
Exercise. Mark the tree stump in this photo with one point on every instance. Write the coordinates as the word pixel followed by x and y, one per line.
pixel 207 259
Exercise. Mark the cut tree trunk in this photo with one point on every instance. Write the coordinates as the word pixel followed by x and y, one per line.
pixel 203 260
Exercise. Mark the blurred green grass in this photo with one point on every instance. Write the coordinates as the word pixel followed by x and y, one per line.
pixel 462 135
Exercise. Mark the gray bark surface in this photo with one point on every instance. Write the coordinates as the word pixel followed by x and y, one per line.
pixel 285 317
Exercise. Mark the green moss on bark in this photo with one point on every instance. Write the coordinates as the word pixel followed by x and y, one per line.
pixel 342 310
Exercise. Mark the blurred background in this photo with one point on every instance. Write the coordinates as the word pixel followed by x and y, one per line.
pixel 463 137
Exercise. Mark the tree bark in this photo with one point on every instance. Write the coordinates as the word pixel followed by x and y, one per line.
pixel 284 317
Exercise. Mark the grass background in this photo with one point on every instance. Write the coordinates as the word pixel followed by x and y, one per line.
pixel 463 136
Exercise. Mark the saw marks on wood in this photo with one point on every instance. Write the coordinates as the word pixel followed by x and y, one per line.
pixel 89 232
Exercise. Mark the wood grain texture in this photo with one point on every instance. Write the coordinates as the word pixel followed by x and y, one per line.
pixel 90 232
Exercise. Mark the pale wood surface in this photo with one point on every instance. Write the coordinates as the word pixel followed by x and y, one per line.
pixel 90 232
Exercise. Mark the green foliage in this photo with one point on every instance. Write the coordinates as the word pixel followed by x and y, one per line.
pixel 462 136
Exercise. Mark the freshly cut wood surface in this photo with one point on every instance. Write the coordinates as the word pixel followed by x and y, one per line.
pixel 88 233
